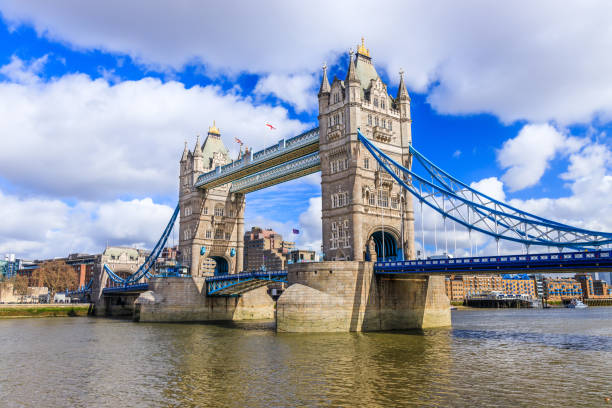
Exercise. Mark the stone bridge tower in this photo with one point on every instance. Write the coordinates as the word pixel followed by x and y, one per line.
pixel 362 206
pixel 211 229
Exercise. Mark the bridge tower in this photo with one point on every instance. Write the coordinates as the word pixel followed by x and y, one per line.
pixel 211 231
pixel 363 208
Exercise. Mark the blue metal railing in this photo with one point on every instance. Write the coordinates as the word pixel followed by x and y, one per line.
pixel 216 285
pixel 501 264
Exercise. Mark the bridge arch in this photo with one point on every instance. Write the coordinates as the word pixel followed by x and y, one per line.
pixel 221 265
pixel 386 243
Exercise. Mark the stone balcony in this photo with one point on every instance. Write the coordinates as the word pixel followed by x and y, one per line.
pixel 335 132
pixel 382 134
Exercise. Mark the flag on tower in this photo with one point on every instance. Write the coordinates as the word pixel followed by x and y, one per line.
pixel 270 126
pixel 296 231
pixel 238 141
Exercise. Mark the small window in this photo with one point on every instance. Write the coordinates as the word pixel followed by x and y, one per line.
pixel 333 225
pixel 345 223
pixel 370 120
pixel 376 102
pixel 382 103
pixel 390 125
pixel 209 234
pixel 366 163
pixel 346 163
pixel 376 121
pixel 205 210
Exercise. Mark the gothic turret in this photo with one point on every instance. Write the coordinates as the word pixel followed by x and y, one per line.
pixel 185 153
pixel 324 82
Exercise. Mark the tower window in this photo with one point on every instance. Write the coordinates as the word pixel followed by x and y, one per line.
pixel 376 121
pixel 366 163
pixel 219 211
pixel 370 120
pixel 376 102
pixel 382 103
pixel 209 234
pixel 384 123
pixel 390 125
pixel 205 210
pixel 383 198
pixel 372 199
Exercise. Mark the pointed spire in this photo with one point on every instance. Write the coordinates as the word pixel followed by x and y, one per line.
pixel 402 92
pixel 350 74
pixel 197 151
pixel 185 152
pixel 325 88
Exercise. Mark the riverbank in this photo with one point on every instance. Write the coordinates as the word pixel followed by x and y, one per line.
pixel 43 310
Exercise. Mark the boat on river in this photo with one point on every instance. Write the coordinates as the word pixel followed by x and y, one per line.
pixel 576 304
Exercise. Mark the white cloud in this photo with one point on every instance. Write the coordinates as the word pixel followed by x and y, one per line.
pixel 23 72
pixel 38 228
pixel 518 60
pixel 297 90
pixel 527 156
pixel 81 138
pixel 457 154
pixel 490 186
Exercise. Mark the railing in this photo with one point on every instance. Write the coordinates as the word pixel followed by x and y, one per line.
pixel 282 147
pixel 293 166
pixel 138 287
pixel 231 284
pixel 595 259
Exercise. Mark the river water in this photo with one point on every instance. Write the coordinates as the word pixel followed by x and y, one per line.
pixel 526 358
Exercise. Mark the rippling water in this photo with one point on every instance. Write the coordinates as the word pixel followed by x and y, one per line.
pixel 489 358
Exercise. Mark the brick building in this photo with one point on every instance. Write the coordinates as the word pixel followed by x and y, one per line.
pixel 517 285
pixel 593 288
pixel 562 288
pixel 265 248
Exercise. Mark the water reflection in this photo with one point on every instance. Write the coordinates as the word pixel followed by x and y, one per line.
pixel 526 358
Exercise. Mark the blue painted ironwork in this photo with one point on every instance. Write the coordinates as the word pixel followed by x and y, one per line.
pixel 232 285
pixel 476 211
pixel 509 264
pixel 283 147
pixel 82 290
pixel 145 269
pixel 282 172
pixel 135 287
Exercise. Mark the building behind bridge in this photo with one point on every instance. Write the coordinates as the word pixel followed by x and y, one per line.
pixel 265 248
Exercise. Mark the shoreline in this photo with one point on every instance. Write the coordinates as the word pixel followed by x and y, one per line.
pixel 11 311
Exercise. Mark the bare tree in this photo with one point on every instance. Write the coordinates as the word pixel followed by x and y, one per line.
pixel 56 275
pixel 20 284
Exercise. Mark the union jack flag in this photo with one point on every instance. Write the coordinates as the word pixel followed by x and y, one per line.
pixel 238 141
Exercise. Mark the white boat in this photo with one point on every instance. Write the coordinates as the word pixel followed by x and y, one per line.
pixel 576 304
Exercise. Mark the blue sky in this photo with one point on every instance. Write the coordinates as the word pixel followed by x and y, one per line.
pixel 96 101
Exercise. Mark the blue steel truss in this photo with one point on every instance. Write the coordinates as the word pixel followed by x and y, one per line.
pixel 292 169
pixel 258 160
pixel 510 264
pixel 476 211
pixel 144 271
pixel 133 288
pixel 235 284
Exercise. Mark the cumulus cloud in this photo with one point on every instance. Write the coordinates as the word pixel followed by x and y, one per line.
pixel 520 60
pixel 297 90
pixel 106 140
pixel 39 228
pixel 527 156
pixel 23 72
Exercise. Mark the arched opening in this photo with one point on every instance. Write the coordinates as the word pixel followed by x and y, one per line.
pixel 221 266
pixel 386 246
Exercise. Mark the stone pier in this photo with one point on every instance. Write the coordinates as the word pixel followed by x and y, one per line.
pixel 185 300
pixel 347 296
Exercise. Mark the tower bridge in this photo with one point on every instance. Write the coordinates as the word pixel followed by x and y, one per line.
pixel 371 176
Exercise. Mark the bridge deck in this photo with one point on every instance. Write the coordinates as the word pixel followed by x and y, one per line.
pixel 509 264
pixel 283 152
pixel 236 284
pixel 126 289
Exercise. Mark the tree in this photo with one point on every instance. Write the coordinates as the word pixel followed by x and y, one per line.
pixel 20 284
pixel 55 275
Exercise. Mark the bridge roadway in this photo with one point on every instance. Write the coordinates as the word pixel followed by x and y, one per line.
pixel 569 262
pixel 285 151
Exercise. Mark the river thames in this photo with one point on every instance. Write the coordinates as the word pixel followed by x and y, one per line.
pixel 489 358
